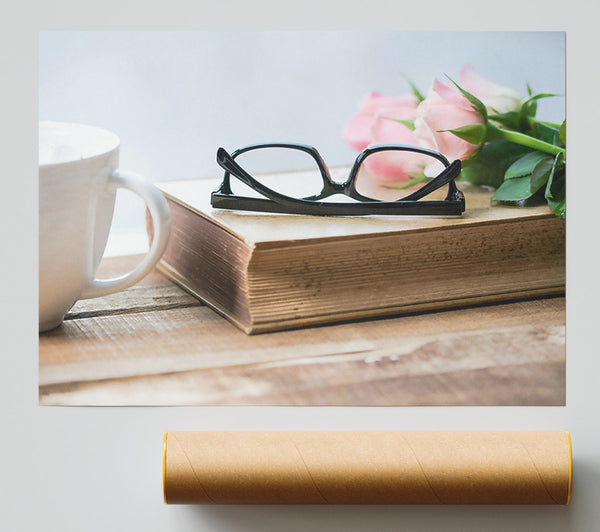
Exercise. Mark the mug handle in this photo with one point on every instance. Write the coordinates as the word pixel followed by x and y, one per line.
pixel 161 220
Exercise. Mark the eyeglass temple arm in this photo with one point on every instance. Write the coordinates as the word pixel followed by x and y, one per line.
pixel 450 173
pixel 228 163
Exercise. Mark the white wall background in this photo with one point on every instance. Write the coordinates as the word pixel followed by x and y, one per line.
pixel 98 469
pixel 174 97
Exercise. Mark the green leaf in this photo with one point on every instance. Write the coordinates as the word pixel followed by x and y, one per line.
pixel 477 104
pixel 558 201
pixel 559 162
pixel 525 165
pixel 529 106
pixel 529 109
pixel 473 133
pixel 558 207
pixel 545 122
pixel 541 173
pixel 513 190
pixel 416 91
pixel 510 119
pixel 563 133
pixel 557 174
pixel 556 187
pixel 546 133
pixel 538 97
pixel 410 124
pixel 529 91
pixel 487 167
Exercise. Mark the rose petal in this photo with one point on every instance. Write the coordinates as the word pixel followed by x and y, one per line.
pixel 400 165
pixel 499 98
pixel 383 164
pixel 451 95
pixel 435 115
pixel 357 133
pixel 386 127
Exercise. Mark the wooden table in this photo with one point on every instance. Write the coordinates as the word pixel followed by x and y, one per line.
pixel 154 344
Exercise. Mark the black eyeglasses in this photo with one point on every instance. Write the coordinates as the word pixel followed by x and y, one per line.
pixel 287 193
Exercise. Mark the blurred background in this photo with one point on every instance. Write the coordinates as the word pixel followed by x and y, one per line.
pixel 175 97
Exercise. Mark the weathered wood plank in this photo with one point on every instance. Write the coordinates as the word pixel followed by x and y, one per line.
pixel 499 354
pixel 528 369
pixel 154 292
pixel 197 338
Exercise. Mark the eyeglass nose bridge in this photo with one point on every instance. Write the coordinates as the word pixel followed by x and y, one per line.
pixel 331 188
pixel 338 188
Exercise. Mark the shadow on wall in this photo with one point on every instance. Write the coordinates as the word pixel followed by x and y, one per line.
pixel 379 518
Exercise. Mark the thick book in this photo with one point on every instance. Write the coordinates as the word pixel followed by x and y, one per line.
pixel 267 272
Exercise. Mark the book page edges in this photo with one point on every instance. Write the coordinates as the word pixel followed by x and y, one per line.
pixel 251 327
pixel 386 312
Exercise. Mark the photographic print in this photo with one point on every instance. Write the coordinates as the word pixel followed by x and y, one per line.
pixel 302 218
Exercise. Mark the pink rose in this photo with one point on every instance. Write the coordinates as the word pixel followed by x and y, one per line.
pixel 386 129
pixel 443 109
pixel 378 122
pixel 375 107
pixel 496 98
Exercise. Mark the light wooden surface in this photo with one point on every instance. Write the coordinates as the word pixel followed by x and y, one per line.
pixel 154 344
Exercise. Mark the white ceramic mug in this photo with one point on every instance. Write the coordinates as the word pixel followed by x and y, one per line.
pixel 78 179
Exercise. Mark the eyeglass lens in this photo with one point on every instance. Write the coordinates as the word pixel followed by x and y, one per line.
pixel 295 173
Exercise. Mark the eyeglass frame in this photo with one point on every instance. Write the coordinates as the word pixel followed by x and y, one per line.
pixel 224 198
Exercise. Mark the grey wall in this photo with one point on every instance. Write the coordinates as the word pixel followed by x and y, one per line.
pixel 174 97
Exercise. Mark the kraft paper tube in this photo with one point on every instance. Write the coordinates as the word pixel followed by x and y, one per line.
pixel 367 467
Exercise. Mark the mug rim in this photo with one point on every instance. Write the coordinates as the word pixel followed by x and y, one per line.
pixel 116 141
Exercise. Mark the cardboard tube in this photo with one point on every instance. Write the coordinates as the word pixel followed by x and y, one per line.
pixel 367 467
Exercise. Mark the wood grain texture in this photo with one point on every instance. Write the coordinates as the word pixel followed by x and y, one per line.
pixel 154 292
pixel 155 344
